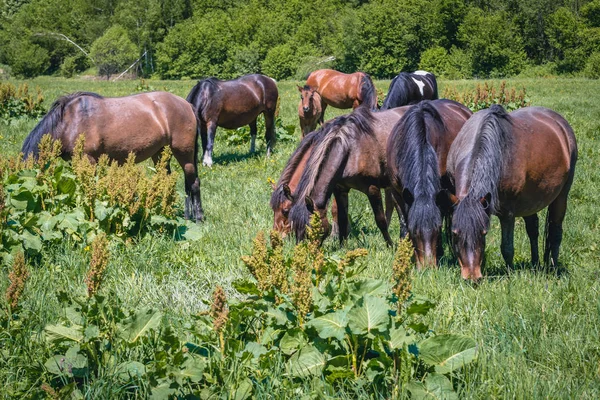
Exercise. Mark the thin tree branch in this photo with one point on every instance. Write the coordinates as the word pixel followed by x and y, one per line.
pixel 131 66
pixel 61 36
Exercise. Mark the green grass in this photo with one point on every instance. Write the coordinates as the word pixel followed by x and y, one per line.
pixel 537 332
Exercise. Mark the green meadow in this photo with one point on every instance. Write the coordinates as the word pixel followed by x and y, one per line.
pixel 537 331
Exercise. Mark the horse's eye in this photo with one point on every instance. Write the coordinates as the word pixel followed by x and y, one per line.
pixel 285 212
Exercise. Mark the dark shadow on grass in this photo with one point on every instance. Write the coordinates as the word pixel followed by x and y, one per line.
pixel 502 271
pixel 234 157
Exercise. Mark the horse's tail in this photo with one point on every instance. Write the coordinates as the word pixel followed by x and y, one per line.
pixel 368 93
pixel 201 95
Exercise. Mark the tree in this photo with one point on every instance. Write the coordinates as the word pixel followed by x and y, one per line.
pixel 113 51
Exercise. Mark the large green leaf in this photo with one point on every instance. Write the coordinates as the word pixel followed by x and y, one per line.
pixel 399 337
pixel 59 333
pixel 435 387
pixel 306 362
pixel 372 315
pixel 31 242
pixel 292 340
pixel 130 369
pixel 373 287
pixel 447 352
pixel 331 325
pixel 140 324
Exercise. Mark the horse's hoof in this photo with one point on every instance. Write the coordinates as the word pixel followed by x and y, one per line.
pixel 207 163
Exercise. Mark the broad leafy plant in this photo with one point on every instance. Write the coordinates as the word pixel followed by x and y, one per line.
pixel 483 96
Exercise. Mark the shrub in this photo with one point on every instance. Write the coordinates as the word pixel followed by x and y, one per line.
pixel 17 102
pixel 435 60
pixel 281 62
pixel 592 66
pixel 113 51
pixel 483 96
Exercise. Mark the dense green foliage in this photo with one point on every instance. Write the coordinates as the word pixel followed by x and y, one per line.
pixel 534 329
pixel 198 38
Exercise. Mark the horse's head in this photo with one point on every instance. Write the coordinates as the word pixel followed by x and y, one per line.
pixel 300 214
pixel 281 209
pixel 470 224
pixel 308 97
pixel 424 226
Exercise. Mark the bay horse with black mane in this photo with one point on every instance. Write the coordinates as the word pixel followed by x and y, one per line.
pixel 410 88
pixel 341 90
pixel 511 165
pixel 348 153
pixel 233 104
pixel 309 109
pixel 416 161
pixel 142 124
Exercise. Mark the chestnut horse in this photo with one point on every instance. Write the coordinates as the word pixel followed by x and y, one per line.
pixel 309 109
pixel 410 88
pixel 511 165
pixel 341 90
pixel 416 161
pixel 233 104
pixel 348 153
pixel 142 124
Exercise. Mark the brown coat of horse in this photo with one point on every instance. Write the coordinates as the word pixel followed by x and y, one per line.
pixel 348 153
pixel 233 104
pixel 511 165
pixel 416 160
pixel 142 124
pixel 309 109
pixel 341 90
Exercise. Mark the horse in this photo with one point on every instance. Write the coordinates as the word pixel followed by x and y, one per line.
pixel 309 109
pixel 511 165
pixel 233 104
pixel 410 88
pixel 348 153
pixel 142 124
pixel 282 197
pixel 417 150
pixel 341 90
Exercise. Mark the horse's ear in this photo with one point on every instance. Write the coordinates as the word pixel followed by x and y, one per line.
pixel 299 88
pixel 310 204
pixel 287 192
pixel 407 197
pixel 486 200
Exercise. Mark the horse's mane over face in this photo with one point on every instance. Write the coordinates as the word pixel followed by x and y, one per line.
pixel 51 121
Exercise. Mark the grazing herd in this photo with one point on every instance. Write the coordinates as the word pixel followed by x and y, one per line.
pixel 439 164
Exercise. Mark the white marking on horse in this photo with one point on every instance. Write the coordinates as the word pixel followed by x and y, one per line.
pixel 420 84
pixel 420 72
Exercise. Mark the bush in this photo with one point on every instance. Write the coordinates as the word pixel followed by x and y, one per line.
pixel 27 59
pixel 72 65
pixel 113 51
pixel 281 62
pixel 592 66
pixel 18 102
pixel 546 70
pixel 435 60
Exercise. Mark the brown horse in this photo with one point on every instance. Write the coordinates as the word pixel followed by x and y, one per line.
pixel 416 160
pixel 511 165
pixel 233 104
pixel 309 109
pixel 348 153
pixel 282 197
pixel 142 124
pixel 341 90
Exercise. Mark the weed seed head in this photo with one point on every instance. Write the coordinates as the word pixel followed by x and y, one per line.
pixel 18 277
pixel 98 264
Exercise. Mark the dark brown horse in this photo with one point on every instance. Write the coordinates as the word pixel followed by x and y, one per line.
pixel 142 124
pixel 410 88
pixel 309 109
pixel 341 90
pixel 416 160
pixel 511 165
pixel 233 104
pixel 348 153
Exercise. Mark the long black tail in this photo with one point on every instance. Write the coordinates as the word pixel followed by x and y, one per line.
pixel 368 93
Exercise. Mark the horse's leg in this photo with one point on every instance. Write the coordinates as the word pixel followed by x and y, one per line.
pixel 507 247
pixel 211 129
pixel 532 225
pixel 390 205
pixel 270 130
pixel 342 213
pixel 252 136
pixel 335 227
pixel 374 194
pixel 403 227
pixel 193 202
pixel 156 158
pixel 554 231
pixel 322 116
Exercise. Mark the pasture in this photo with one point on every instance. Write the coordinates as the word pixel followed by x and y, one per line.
pixel 537 331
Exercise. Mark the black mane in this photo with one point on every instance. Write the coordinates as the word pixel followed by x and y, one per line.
pixel 50 123
pixel 202 94
pixel 368 93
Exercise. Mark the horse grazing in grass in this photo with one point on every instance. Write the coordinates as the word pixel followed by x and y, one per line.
pixel 416 160
pixel 511 165
pixel 348 153
pixel 341 90
pixel 410 88
pixel 233 104
pixel 309 109
pixel 142 124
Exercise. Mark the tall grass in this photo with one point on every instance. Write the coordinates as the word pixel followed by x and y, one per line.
pixel 537 331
